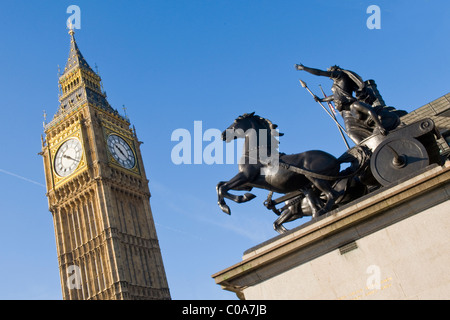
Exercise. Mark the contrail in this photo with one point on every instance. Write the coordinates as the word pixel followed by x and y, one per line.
pixel 178 231
pixel 23 178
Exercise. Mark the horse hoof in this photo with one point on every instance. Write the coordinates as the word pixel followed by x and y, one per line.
pixel 226 209
pixel 249 196
pixel 280 229
pixel 319 213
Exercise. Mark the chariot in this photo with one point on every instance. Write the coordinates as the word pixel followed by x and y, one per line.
pixel 383 161
pixel 312 183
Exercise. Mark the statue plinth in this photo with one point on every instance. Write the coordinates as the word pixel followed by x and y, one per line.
pixel 390 244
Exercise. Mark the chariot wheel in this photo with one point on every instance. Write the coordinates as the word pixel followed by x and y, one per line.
pixel 394 159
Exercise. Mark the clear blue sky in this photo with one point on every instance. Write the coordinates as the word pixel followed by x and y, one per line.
pixel 175 62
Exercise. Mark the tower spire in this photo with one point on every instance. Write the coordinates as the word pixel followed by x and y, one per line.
pixel 79 84
pixel 75 59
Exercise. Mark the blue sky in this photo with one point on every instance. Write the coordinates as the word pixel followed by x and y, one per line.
pixel 175 62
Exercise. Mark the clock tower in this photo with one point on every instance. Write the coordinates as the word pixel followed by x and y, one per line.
pixel 98 195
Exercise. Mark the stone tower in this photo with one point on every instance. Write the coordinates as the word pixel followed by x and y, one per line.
pixel 98 195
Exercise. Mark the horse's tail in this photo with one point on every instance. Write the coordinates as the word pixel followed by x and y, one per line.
pixel 357 157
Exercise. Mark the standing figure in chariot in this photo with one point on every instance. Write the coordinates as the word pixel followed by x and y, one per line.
pixel 346 82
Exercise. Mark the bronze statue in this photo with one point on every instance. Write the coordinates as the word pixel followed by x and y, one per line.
pixel 311 174
pixel 345 83
pixel 312 182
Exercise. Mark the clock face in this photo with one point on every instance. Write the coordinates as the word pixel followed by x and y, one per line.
pixel 121 151
pixel 68 157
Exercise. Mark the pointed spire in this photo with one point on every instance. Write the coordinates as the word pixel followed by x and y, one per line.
pixel 75 59
pixel 125 111
pixel 79 85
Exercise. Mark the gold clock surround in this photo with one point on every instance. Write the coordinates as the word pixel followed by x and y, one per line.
pixel 110 130
pixel 54 151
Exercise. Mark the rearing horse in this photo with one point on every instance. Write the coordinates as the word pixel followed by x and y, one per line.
pixel 258 166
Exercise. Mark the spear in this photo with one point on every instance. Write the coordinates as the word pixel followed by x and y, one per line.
pixel 303 83
pixel 330 106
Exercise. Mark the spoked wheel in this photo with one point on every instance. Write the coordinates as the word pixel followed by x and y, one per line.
pixel 397 158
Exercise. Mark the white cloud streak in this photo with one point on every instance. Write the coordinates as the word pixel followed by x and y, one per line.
pixel 22 178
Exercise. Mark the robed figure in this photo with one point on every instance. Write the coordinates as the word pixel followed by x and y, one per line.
pixel 362 116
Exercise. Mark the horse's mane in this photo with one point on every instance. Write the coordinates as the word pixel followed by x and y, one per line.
pixel 267 124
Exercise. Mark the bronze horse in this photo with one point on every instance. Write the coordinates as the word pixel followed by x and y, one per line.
pixel 261 166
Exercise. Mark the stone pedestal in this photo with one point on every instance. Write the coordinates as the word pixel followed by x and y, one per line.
pixel 391 244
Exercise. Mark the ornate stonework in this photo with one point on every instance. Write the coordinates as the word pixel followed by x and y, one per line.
pixel 98 195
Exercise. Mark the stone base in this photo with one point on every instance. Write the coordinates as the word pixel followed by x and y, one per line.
pixel 390 244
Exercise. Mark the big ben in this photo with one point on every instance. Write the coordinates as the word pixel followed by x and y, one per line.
pixel 98 195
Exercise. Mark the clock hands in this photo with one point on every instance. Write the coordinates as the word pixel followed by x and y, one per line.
pixel 70 158
pixel 121 151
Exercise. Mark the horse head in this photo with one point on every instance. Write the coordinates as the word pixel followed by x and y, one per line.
pixel 238 128
pixel 242 124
